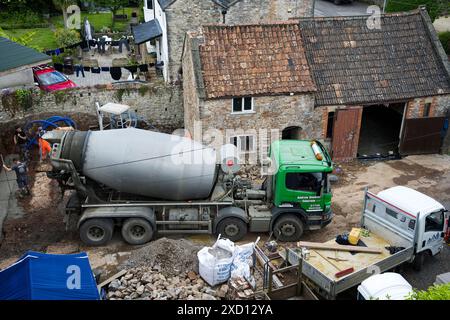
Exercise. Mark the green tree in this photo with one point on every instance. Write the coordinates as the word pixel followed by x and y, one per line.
pixel 435 8
pixel 113 5
pixel 63 5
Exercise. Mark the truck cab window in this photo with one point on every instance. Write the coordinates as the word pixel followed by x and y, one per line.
pixel 435 222
pixel 304 181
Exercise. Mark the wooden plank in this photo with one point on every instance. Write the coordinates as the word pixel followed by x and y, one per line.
pixel 110 279
pixel 324 246
pixel 344 272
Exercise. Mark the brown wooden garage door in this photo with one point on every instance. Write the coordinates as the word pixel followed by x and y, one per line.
pixel 347 124
pixel 422 135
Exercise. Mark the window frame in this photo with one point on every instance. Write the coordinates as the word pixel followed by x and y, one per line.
pixel 243 111
pixel 441 225
pixel 239 145
pixel 304 173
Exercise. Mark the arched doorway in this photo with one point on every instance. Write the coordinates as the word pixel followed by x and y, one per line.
pixel 291 133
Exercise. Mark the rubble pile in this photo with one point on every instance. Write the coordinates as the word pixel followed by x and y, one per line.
pixel 251 172
pixel 169 256
pixel 147 283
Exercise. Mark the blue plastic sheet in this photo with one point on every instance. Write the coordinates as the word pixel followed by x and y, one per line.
pixel 40 276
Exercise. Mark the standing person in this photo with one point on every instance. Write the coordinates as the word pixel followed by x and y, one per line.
pixel 20 140
pixel 21 170
pixel 44 149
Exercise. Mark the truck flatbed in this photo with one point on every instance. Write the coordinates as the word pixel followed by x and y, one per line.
pixel 330 262
pixel 321 267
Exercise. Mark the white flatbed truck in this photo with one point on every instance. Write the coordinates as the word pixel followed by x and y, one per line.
pixel 399 217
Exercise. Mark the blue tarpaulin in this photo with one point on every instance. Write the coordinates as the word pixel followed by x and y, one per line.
pixel 41 276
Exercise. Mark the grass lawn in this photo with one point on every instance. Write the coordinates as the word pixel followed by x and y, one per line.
pixel 100 20
pixel 43 37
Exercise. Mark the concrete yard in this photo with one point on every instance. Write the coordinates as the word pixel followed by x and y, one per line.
pixel 42 228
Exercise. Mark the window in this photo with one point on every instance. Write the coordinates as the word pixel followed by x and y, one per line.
pixel 150 4
pixel 244 104
pixel 330 124
pixel 392 213
pixel 412 224
pixel 426 109
pixel 435 222
pixel 304 181
pixel 50 78
pixel 244 143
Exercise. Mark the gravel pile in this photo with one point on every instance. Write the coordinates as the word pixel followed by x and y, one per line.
pixel 145 283
pixel 168 256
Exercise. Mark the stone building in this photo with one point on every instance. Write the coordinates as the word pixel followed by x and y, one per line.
pixel 383 86
pixel 362 90
pixel 169 20
pixel 242 84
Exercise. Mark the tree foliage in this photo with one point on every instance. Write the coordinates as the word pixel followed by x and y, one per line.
pixel 436 292
pixel 435 8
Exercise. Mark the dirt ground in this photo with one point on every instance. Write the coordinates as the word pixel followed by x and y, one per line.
pixel 43 229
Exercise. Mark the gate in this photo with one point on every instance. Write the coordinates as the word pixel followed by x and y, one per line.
pixel 347 124
pixel 422 135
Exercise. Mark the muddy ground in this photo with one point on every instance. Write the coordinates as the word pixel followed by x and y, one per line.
pixel 42 227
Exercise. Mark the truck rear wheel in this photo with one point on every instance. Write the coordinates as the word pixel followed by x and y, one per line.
pixel 288 228
pixel 137 231
pixel 232 228
pixel 96 232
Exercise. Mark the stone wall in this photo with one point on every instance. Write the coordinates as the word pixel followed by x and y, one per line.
pixel 271 115
pixel 438 108
pixel 160 104
pixel 186 15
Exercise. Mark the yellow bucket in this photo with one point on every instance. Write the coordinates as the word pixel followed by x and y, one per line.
pixel 354 236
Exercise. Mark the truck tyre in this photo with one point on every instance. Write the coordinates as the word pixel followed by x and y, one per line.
pixel 232 228
pixel 418 261
pixel 288 228
pixel 137 231
pixel 96 232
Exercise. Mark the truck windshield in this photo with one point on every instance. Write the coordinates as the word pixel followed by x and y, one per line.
pixel 435 221
pixel 302 181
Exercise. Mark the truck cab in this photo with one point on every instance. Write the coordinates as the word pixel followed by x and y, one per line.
pixel 417 214
pixel 300 187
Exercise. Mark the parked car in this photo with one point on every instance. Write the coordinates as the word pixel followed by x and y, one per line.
pixel 48 79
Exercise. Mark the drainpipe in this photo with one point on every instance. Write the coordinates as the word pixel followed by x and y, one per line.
pixel 224 12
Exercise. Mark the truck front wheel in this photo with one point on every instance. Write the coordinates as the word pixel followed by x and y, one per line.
pixel 137 231
pixel 232 228
pixel 96 232
pixel 288 228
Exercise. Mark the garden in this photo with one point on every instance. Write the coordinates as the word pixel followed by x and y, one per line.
pixel 40 23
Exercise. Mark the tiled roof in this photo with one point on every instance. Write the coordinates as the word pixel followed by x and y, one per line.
pixel 263 59
pixel 352 64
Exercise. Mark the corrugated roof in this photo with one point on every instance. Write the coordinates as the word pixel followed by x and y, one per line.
pixel 263 59
pixel 354 64
pixel 14 55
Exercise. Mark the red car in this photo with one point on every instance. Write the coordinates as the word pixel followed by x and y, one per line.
pixel 48 79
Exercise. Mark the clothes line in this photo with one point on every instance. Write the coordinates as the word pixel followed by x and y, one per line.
pixel 91 43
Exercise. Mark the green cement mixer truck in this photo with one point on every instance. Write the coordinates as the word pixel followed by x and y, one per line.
pixel 145 183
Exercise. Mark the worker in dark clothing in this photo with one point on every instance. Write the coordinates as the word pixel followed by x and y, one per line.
pixel 20 140
pixel 21 169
